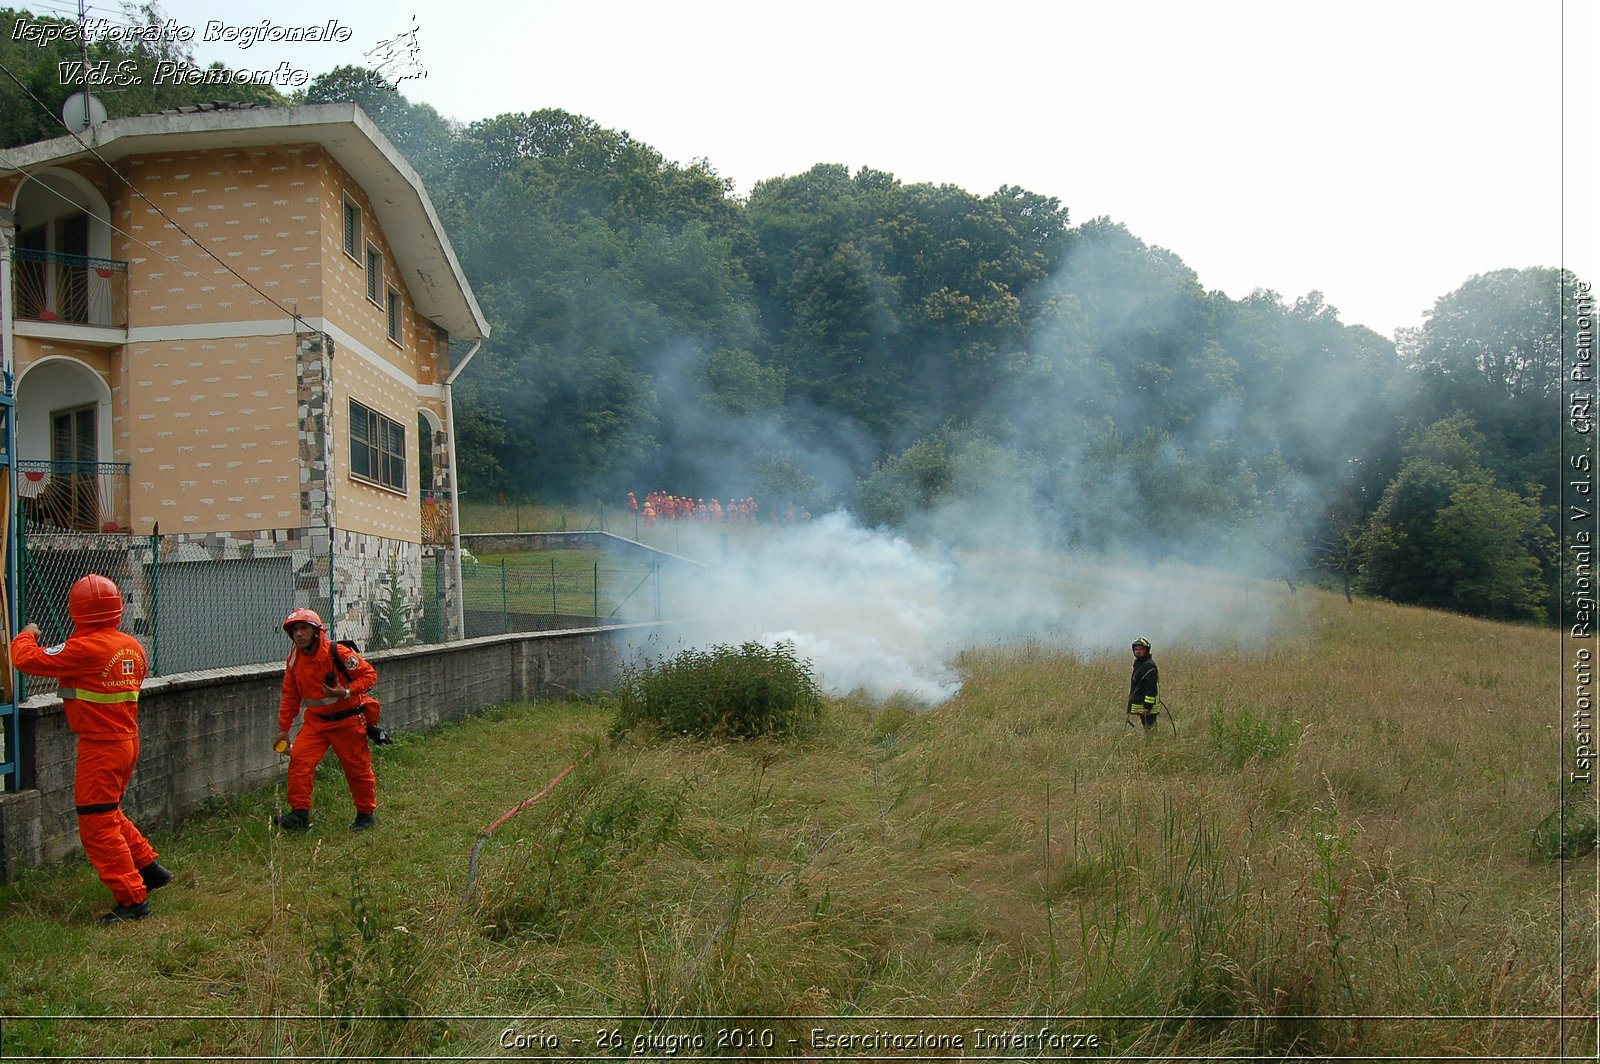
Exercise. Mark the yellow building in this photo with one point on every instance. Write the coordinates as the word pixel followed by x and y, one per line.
pixel 234 325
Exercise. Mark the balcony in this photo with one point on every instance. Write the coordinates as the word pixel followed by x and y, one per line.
pixel 72 289
pixel 73 496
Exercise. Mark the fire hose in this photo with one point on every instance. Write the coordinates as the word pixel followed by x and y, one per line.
pixel 1172 719
pixel 483 836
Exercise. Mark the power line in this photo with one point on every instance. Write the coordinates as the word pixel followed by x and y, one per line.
pixel 148 202
pixel 69 13
pixel 51 9
pixel 112 226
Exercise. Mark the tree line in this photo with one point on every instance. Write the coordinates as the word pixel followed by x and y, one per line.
pixel 943 362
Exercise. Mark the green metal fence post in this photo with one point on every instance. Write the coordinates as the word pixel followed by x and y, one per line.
pixel 333 591
pixel 155 603
pixel 61 628
pixel 553 608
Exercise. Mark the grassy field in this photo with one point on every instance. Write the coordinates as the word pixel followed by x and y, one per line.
pixel 695 539
pixel 1330 855
pixel 575 583
pixel 514 516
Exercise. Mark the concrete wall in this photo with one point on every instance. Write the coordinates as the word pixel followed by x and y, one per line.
pixel 204 735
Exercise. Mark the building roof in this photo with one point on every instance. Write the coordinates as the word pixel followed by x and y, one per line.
pixel 422 251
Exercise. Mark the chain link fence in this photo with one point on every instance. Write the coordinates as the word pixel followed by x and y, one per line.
pixel 189 608
pixel 215 603
pixel 535 592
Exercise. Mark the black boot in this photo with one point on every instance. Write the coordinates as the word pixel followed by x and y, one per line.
pixel 155 877
pixel 125 912
pixel 364 822
pixel 296 820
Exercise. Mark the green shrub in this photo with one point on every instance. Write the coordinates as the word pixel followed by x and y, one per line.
pixel 391 611
pixel 1238 735
pixel 1566 834
pixel 721 693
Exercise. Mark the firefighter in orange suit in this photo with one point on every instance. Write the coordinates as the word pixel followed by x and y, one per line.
pixel 337 714
pixel 98 673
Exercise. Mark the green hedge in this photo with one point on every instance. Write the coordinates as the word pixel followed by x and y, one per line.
pixel 721 692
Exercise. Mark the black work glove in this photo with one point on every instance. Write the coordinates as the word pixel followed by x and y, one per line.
pixel 377 736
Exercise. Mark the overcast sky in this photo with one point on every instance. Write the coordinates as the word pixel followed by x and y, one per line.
pixel 1380 151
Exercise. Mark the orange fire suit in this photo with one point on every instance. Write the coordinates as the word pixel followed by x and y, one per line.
pixel 330 720
pixel 98 672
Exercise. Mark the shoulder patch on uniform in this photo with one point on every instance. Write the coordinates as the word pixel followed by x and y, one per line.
pixel 58 648
pixel 351 661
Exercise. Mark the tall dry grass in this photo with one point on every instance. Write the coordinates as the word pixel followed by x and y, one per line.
pixel 1329 856
pixel 1020 850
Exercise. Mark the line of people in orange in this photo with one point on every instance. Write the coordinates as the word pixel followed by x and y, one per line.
pixel 658 505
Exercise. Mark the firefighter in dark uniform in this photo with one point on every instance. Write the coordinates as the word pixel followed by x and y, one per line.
pixel 1144 699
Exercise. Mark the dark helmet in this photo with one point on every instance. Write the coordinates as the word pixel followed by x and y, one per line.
pixel 1142 642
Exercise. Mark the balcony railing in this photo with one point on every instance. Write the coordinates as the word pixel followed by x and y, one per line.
pixel 70 288
pixel 435 518
pixel 73 496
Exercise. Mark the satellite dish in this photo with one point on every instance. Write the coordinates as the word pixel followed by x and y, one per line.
pixel 81 111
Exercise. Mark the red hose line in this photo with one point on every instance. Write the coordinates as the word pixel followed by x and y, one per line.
pixel 483 836
pixel 520 806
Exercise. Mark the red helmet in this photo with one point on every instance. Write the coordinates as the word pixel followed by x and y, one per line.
pixel 95 602
pixel 303 615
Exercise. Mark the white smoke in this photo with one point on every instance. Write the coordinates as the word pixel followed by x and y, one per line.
pixel 874 612
pixel 1074 451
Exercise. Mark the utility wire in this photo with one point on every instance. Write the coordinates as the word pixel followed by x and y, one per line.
pixel 54 10
pixel 69 13
pixel 148 202
pixel 112 226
